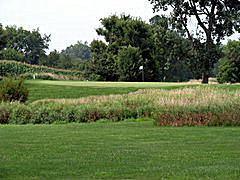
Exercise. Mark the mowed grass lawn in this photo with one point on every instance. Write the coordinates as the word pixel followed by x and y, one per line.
pixel 125 150
pixel 121 150
pixel 43 89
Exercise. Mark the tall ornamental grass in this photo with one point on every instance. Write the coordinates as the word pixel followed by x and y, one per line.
pixel 196 106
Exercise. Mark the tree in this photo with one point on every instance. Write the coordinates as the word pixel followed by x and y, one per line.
pixel 129 61
pixel 169 51
pixel 79 50
pixel 3 38
pixel 57 60
pixel 65 62
pixel 124 31
pixel 215 19
pixel 229 70
pixel 52 59
pixel 29 43
pixel 103 64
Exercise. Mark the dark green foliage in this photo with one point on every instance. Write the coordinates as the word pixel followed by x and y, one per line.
pixel 215 20
pixel 13 90
pixel 178 72
pixel 57 60
pixel 169 51
pixel 160 50
pixel 120 32
pixel 29 43
pixel 103 64
pixel 52 59
pixel 11 54
pixel 76 57
pixel 65 62
pixel 79 50
pixel 129 61
pixel 229 70
pixel 3 38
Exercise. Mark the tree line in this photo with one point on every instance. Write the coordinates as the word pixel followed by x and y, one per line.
pixel 166 48
pixel 30 47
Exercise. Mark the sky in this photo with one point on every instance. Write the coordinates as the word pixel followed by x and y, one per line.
pixel 68 21
pixel 72 20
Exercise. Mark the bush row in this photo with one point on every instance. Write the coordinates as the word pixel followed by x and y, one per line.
pixel 186 107
pixel 13 68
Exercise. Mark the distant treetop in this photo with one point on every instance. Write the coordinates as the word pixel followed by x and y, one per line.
pixel 79 50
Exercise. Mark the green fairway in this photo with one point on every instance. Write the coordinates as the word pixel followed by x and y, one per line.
pixel 126 150
pixel 43 89
pixel 70 90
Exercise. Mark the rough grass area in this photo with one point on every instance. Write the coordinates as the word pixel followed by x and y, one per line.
pixel 132 150
pixel 192 106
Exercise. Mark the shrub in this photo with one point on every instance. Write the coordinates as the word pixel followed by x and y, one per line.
pixel 13 90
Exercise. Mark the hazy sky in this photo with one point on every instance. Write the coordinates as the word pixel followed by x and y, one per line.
pixel 69 21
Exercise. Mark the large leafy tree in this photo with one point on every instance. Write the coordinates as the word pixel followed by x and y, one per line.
pixel 30 43
pixel 103 63
pixel 129 61
pixel 215 20
pixel 125 31
pixel 169 51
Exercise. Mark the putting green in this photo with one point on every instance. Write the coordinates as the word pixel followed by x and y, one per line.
pixel 108 84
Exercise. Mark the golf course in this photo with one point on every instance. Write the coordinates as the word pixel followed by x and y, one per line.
pixel 127 145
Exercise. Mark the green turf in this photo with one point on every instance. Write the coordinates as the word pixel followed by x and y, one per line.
pixel 42 89
pixel 126 150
